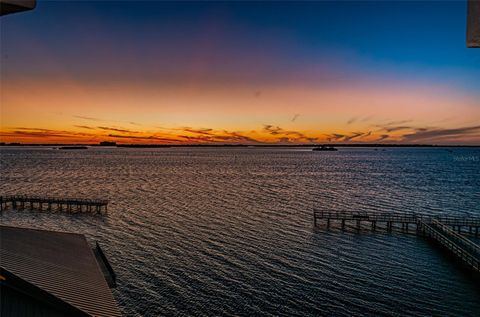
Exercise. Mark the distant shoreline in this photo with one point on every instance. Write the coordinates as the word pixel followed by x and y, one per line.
pixel 237 145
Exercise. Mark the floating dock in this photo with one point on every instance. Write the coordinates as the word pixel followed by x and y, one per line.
pixel 444 230
pixel 72 205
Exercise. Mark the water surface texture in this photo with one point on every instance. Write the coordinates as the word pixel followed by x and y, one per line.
pixel 229 231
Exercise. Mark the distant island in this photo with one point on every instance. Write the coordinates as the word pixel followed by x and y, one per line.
pixel 114 144
pixel 73 147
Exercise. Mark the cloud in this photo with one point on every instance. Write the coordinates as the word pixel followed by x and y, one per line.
pixel 236 137
pixel 397 128
pixel 352 120
pixel 334 137
pixel 204 131
pixel 295 117
pixel 42 133
pixel 397 122
pixel 432 134
pixel 87 118
pixel 197 138
pixel 291 135
pixel 117 130
pixel 221 137
pixel 382 137
pixel 84 127
pixel 353 136
pixel 345 137
pixel 271 129
pixel 393 126
pixel 359 119
pixel 145 138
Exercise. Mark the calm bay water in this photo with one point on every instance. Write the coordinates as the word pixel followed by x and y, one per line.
pixel 212 231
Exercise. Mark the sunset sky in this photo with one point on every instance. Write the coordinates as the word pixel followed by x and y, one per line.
pixel 250 72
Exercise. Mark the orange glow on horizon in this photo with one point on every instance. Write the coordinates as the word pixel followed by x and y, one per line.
pixel 76 112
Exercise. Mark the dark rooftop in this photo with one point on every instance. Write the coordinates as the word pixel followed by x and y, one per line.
pixel 56 269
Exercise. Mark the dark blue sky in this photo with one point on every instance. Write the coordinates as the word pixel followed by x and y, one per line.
pixel 409 39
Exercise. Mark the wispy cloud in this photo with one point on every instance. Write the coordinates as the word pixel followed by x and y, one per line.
pixel 359 119
pixel 393 126
pixel 353 136
pixel 205 131
pixel 143 138
pixel 432 134
pixel 352 120
pixel 117 129
pixel 84 127
pixel 221 137
pixel 382 137
pixel 87 118
pixel 236 137
pixel 397 122
pixel 283 135
pixel 41 133
pixel 335 137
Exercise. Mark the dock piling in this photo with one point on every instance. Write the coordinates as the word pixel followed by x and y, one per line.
pixel 37 203
pixel 445 230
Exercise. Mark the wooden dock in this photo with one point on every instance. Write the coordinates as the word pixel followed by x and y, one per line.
pixel 444 230
pixel 463 248
pixel 71 205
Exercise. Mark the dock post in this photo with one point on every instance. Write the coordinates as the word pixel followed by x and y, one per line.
pixel 358 224
pixel 343 224
pixel 314 216
pixel 374 225
pixel 459 229
pixel 328 222
pixel 476 232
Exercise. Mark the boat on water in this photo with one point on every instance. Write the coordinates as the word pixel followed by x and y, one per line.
pixel 324 148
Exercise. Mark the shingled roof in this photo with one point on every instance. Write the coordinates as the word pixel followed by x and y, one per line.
pixel 56 268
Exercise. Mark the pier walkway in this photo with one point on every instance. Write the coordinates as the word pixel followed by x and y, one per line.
pixel 445 230
pixel 72 205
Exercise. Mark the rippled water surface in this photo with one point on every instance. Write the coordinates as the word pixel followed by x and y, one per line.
pixel 212 231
